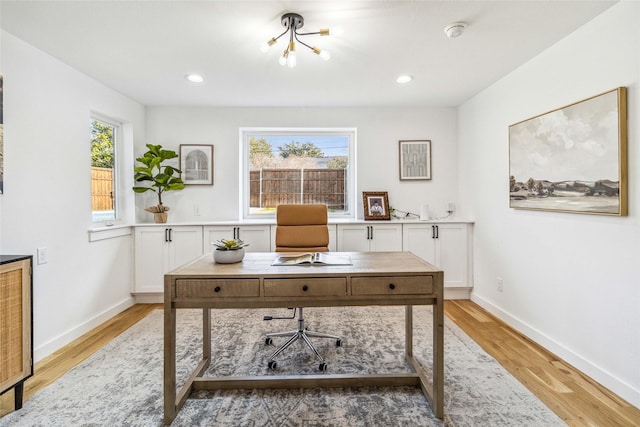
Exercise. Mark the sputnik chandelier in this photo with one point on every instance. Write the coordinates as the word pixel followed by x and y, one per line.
pixel 292 22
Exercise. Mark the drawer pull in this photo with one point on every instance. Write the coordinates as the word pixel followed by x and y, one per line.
pixel 305 288
pixel 217 289
pixel 392 286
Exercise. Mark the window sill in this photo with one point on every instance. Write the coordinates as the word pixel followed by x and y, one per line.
pixel 103 233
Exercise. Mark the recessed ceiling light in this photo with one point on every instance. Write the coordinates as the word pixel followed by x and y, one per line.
pixel 404 78
pixel 194 78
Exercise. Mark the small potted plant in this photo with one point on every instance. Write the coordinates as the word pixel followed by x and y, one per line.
pixel 228 251
pixel 161 177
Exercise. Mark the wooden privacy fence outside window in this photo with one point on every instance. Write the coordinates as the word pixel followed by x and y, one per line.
pixel 101 189
pixel 270 187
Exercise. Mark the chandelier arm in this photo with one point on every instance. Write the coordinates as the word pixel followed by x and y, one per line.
pixel 308 34
pixel 301 42
pixel 282 34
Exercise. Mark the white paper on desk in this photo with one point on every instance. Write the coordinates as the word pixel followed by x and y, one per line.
pixel 312 258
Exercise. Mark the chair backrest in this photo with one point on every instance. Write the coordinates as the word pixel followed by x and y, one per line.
pixel 302 228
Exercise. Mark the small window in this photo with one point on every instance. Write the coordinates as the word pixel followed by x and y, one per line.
pixel 285 166
pixel 104 138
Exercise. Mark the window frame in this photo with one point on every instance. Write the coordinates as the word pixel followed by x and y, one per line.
pixel 245 133
pixel 117 142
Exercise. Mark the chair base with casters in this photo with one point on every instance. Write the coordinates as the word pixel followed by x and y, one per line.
pixel 299 334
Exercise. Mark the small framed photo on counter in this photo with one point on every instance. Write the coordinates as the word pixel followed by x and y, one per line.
pixel 376 205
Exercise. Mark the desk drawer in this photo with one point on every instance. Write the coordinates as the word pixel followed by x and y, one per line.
pixel 217 288
pixel 399 285
pixel 333 286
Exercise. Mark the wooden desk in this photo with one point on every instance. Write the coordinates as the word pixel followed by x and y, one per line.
pixel 375 278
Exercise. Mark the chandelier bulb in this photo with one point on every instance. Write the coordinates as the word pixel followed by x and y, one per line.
pixel 283 58
pixel 291 59
pixel 325 55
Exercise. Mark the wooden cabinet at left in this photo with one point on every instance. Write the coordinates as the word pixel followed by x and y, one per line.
pixel 16 324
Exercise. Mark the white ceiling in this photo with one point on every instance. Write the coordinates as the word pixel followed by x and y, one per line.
pixel 144 48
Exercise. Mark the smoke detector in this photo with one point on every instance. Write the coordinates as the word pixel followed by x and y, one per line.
pixel 455 29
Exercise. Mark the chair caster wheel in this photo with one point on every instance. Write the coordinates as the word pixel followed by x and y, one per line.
pixel 268 341
pixel 323 367
pixel 338 343
pixel 272 364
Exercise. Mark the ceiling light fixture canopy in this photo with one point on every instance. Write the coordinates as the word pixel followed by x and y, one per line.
pixel 292 22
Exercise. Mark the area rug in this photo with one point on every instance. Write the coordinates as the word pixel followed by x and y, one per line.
pixel 121 385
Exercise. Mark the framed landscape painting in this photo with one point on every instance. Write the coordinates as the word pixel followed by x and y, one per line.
pixel 573 159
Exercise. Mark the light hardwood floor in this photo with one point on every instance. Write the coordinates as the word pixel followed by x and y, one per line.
pixel 577 399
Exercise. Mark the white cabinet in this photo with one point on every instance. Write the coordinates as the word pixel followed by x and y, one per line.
pixel 363 237
pixel 444 245
pixel 161 249
pixel 257 236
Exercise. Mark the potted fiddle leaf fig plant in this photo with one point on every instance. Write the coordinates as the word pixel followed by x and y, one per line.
pixel 228 251
pixel 161 177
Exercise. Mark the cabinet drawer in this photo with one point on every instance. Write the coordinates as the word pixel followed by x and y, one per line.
pixel 333 286
pixel 392 285
pixel 217 288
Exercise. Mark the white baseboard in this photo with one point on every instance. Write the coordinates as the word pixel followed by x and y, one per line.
pixel 457 293
pixel 61 340
pixel 149 298
pixel 616 385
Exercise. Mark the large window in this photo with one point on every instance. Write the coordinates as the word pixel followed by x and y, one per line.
pixel 104 140
pixel 282 166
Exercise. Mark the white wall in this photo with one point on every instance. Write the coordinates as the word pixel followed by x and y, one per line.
pixel 378 133
pixel 571 282
pixel 47 200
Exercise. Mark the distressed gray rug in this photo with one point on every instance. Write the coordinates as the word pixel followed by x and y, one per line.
pixel 121 385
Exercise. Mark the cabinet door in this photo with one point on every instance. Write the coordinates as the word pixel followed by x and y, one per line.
pixel 419 240
pixel 385 237
pixel 185 244
pixel 353 238
pixel 15 324
pixel 151 257
pixel 258 236
pixel 160 249
pixel 452 255
pixel 369 237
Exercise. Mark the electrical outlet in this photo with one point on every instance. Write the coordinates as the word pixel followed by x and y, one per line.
pixel 43 256
pixel 196 210
pixel 451 207
pixel 500 284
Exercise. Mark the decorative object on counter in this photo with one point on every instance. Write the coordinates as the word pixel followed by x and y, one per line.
pixel 572 159
pixel 415 160
pixel 196 163
pixel 376 205
pixel 398 214
pixel 228 251
pixel 161 176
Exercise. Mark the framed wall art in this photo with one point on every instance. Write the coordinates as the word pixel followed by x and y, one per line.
pixel 1 138
pixel 376 205
pixel 415 160
pixel 196 163
pixel 573 159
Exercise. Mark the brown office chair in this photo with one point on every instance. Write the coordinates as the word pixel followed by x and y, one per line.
pixel 300 228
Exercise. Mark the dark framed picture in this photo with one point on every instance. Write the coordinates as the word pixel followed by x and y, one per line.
pixel 376 205
pixel 572 159
pixel 415 160
pixel 196 163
